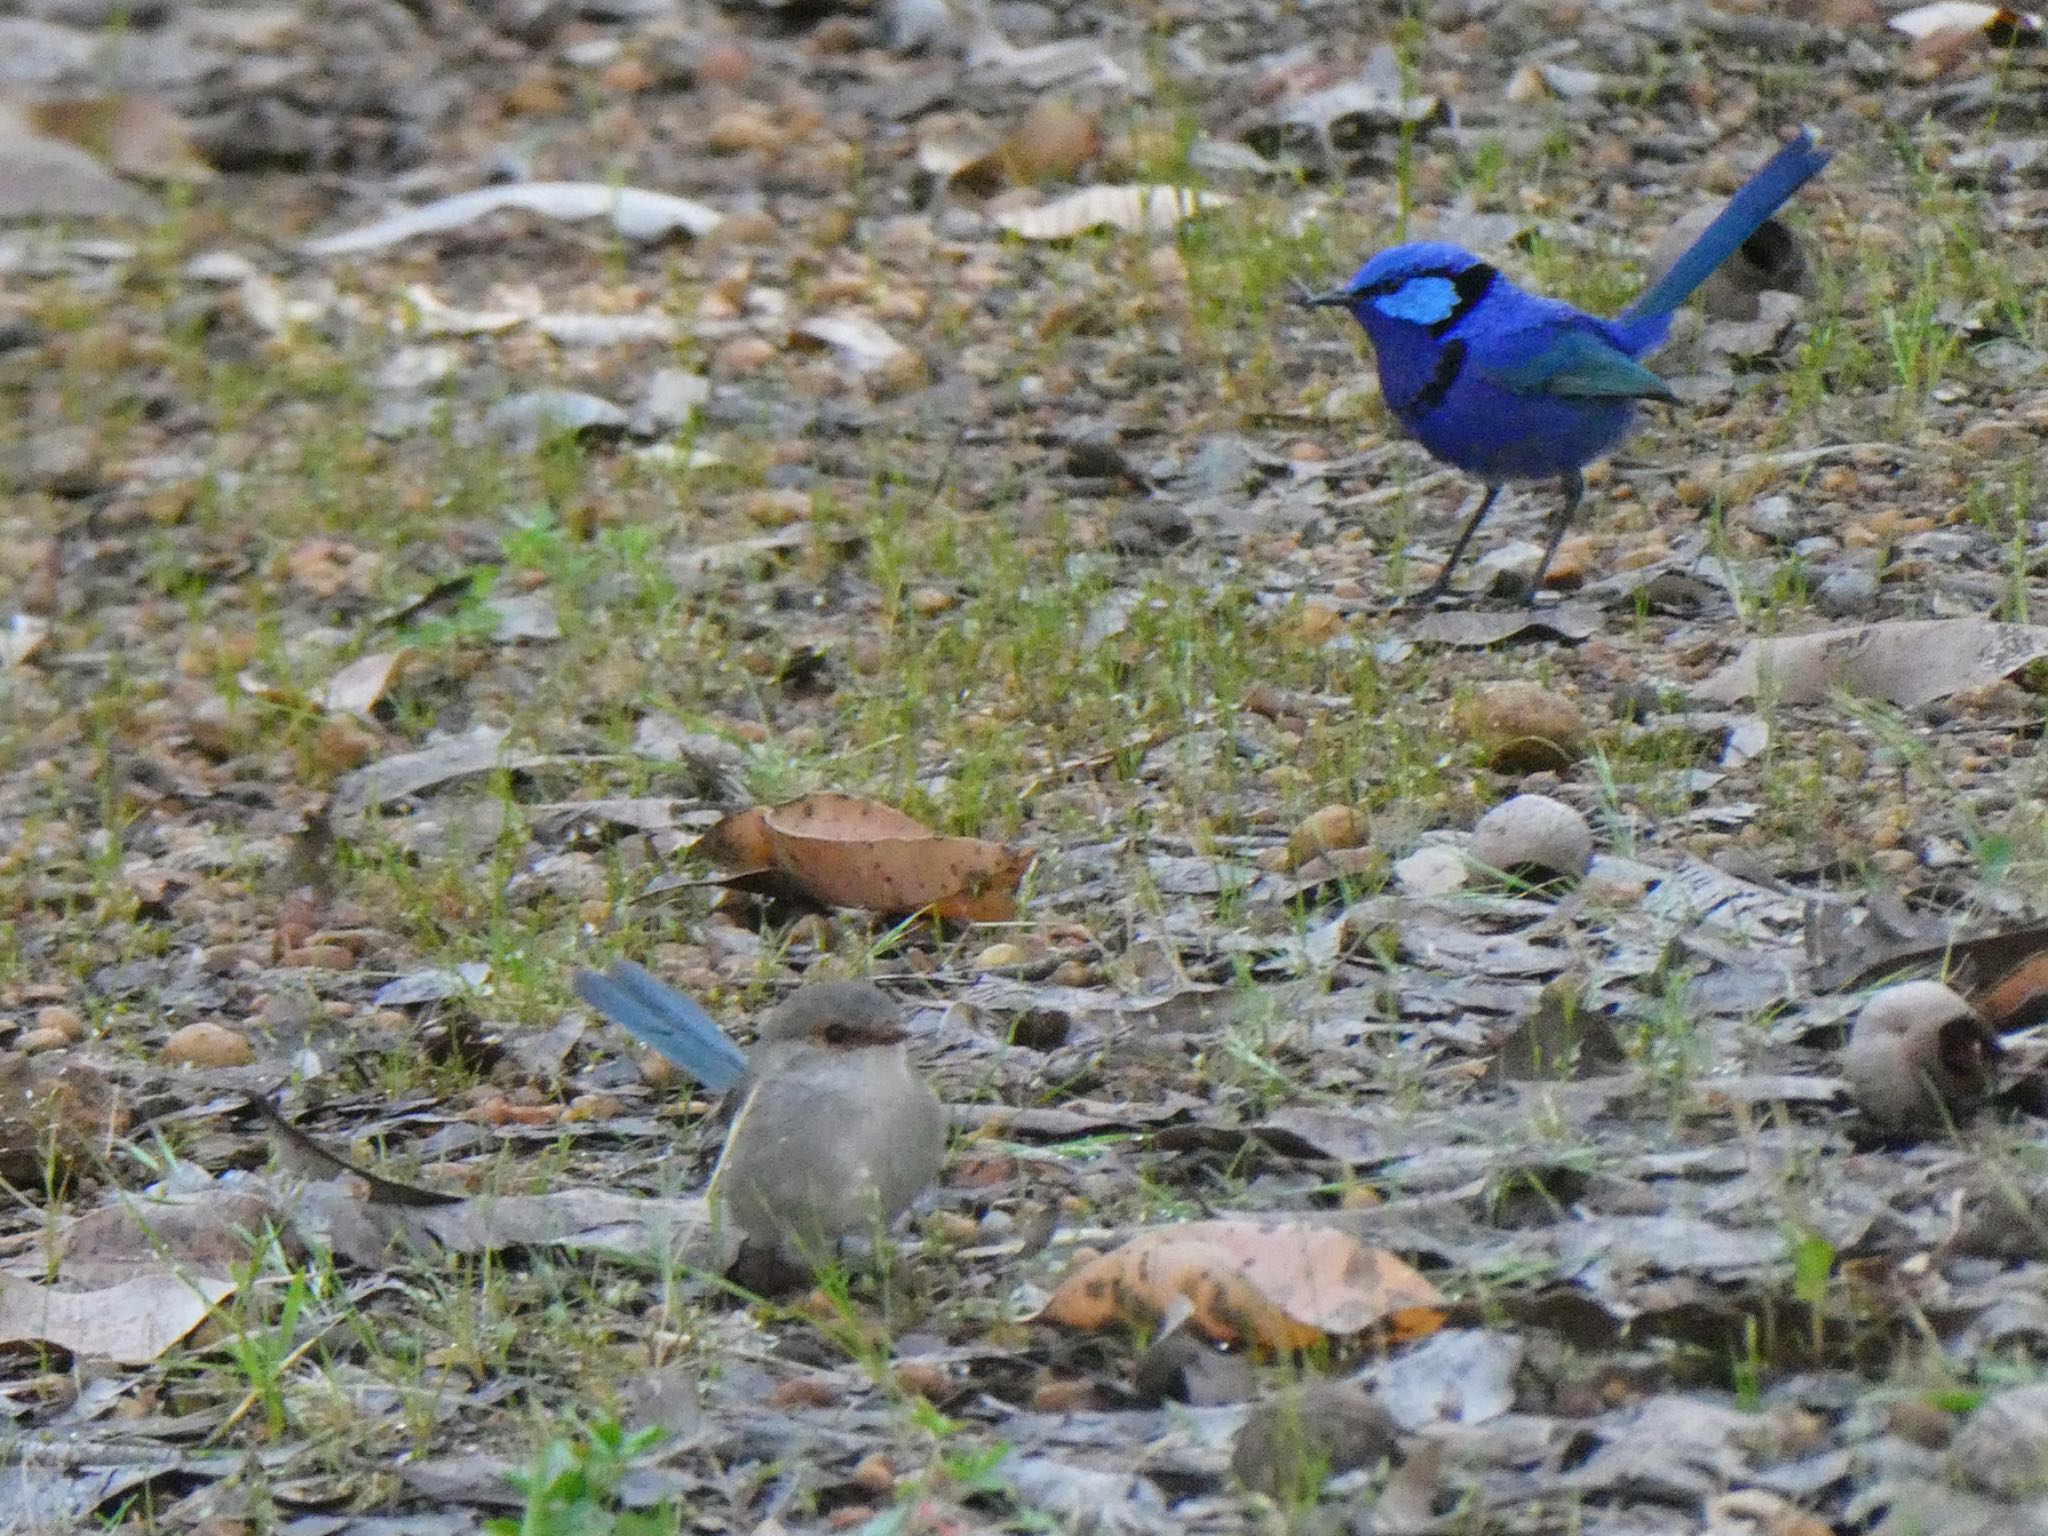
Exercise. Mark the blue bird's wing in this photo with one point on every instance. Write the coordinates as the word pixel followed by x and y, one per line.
pixel 1575 363
pixel 664 1019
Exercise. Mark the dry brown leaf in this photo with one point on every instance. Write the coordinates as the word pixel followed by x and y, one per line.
pixel 131 1323
pixel 1133 208
pixel 846 851
pixel 349 1217
pixel 357 687
pixel 1907 663
pixel 405 774
pixel 852 852
pixel 1477 628
pixel 1272 1285
pixel 208 1230
pixel 1333 829
pixel 741 842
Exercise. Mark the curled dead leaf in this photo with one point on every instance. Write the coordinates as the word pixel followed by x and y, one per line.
pixel 1334 828
pixel 1275 1285
pixel 357 687
pixel 741 841
pixel 848 851
pixel 1521 727
pixel 1534 834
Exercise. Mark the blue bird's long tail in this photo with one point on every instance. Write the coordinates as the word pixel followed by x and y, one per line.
pixel 1643 324
pixel 662 1018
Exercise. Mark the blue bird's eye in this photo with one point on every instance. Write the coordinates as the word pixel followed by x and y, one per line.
pixel 1421 300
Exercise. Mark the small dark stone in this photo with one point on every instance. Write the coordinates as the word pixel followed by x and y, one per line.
pixel 1295 1441
pixel 63 461
pixel 18 331
pixel 1180 1368
pixel 1149 528
pixel 262 135
pixel 1636 701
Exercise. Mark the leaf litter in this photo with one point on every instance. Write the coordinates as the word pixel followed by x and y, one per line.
pixel 1259 977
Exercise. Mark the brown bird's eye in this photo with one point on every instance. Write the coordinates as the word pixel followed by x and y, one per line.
pixel 838 1034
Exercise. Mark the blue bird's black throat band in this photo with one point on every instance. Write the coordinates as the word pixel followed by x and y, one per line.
pixel 1449 364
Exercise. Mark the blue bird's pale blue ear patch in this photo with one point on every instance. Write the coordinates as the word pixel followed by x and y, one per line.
pixel 1427 300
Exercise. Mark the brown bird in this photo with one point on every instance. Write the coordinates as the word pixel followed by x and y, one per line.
pixel 836 1133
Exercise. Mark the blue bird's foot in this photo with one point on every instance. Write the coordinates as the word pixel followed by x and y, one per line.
pixel 1574 488
pixel 1442 584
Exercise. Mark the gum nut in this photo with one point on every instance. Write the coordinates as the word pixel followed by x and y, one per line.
pixel 1919 1058
pixel 205 1044
pixel 1534 832
pixel 1521 727
pixel 1332 827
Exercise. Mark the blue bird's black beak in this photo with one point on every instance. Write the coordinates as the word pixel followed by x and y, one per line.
pixel 1329 298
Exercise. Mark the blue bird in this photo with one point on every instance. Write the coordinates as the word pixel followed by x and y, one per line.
pixel 1508 385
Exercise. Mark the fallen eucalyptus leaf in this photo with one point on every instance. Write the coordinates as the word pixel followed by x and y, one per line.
pixel 1906 662
pixel 131 1323
pixel 1135 209
pixel 635 212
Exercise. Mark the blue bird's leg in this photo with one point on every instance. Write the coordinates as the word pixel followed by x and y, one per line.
pixel 1442 584
pixel 660 1017
pixel 1574 489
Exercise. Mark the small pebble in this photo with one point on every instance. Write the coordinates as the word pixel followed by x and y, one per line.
pixel 1292 1441
pixel 66 1021
pixel 741 357
pixel 1846 594
pixel 206 1044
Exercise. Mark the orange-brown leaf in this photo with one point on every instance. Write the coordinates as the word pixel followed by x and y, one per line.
pixel 853 852
pixel 1271 1285
pixel 741 841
